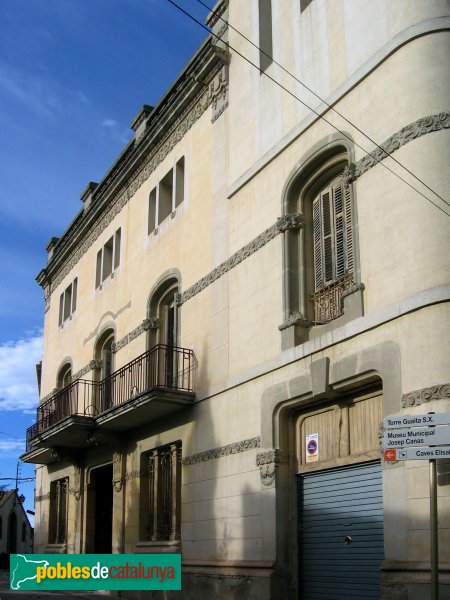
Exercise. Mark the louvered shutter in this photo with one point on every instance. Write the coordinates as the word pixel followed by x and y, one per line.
pixel 317 226
pixel 333 233
pixel 339 229
pixel 348 228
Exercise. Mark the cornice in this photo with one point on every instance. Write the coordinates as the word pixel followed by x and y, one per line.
pixel 180 108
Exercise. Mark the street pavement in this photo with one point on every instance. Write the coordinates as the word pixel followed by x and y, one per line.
pixel 7 594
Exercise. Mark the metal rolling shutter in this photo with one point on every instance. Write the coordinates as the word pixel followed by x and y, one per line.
pixel 334 504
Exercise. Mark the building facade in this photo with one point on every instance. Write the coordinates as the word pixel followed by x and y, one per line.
pixel 253 286
pixel 16 533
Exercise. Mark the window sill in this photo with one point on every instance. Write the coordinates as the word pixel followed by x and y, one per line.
pixel 301 330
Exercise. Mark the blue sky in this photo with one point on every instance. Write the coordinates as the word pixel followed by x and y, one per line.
pixel 73 74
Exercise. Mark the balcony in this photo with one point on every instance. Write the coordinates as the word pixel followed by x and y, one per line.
pixel 153 385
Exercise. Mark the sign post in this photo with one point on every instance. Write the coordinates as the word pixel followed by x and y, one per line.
pixel 417 437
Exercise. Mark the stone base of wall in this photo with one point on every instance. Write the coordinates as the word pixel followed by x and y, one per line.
pixel 411 581
pixel 224 580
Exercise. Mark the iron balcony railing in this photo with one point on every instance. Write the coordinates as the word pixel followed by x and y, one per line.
pixel 162 366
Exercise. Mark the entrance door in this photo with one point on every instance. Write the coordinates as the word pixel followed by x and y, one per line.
pixel 103 506
pixel 341 542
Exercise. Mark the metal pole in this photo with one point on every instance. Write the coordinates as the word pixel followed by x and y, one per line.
pixel 434 532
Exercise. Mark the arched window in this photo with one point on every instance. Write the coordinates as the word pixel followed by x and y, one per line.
pixel 104 354
pixel 103 398
pixel 64 376
pixel 164 335
pixel 320 262
pixel 163 311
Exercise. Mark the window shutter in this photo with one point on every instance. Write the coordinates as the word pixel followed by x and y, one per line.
pixel 348 228
pixel 339 220
pixel 327 231
pixel 317 226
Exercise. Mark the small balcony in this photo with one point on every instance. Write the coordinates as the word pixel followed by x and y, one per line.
pixel 152 386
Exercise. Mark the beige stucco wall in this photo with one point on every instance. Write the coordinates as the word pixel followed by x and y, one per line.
pixel 236 173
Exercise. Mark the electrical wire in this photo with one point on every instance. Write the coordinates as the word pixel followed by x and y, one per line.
pixel 185 12
pixel 386 152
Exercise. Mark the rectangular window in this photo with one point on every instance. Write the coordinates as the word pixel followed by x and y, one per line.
pixel 162 493
pixel 108 258
pixel 166 196
pixel 265 34
pixel 68 302
pixel 58 511
pixel 333 249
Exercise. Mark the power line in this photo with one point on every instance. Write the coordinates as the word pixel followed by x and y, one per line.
pixel 307 106
pixel 228 24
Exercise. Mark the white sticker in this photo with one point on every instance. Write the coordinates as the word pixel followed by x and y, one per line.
pixel 312 447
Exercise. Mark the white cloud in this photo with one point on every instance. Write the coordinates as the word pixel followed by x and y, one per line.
pixel 117 131
pixel 12 446
pixel 18 386
pixel 109 123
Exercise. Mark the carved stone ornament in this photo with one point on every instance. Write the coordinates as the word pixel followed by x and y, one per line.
pixel 290 222
pixel 47 296
pixel 176 133
pixel 296 318
pixel 268 461
pixel 402 137
pixel 418 397
pixel 220 94
pixel 284 223
pixel 117 471
pixel 235 448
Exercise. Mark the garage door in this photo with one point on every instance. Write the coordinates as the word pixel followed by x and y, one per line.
pixel 341 532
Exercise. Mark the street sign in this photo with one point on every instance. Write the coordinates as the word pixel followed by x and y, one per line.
pixel 417 453
pixel 416 420
pixel 416 436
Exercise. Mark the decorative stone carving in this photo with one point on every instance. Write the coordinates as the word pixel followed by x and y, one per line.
pixel 221 451
pixel 76 490
pixel 418 397
pixel 190 116
pixel 296 318
pixel 402 137
pixel 268 461
pixel 117 471
pixel 93 364
pixel 290 222
pixel 47 296
pixel 349 174
pixel 284 223
pixel 220 97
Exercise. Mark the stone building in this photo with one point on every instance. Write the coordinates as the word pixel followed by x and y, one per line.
pixel 16 533
pixel 255 283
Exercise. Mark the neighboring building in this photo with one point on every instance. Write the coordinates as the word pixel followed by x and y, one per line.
pixel 16 533
pixel 243 298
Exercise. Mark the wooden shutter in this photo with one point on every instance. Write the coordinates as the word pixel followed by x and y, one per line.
pixel 348 228
pixel 332 233
pixel 317 227
pixel 339 229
